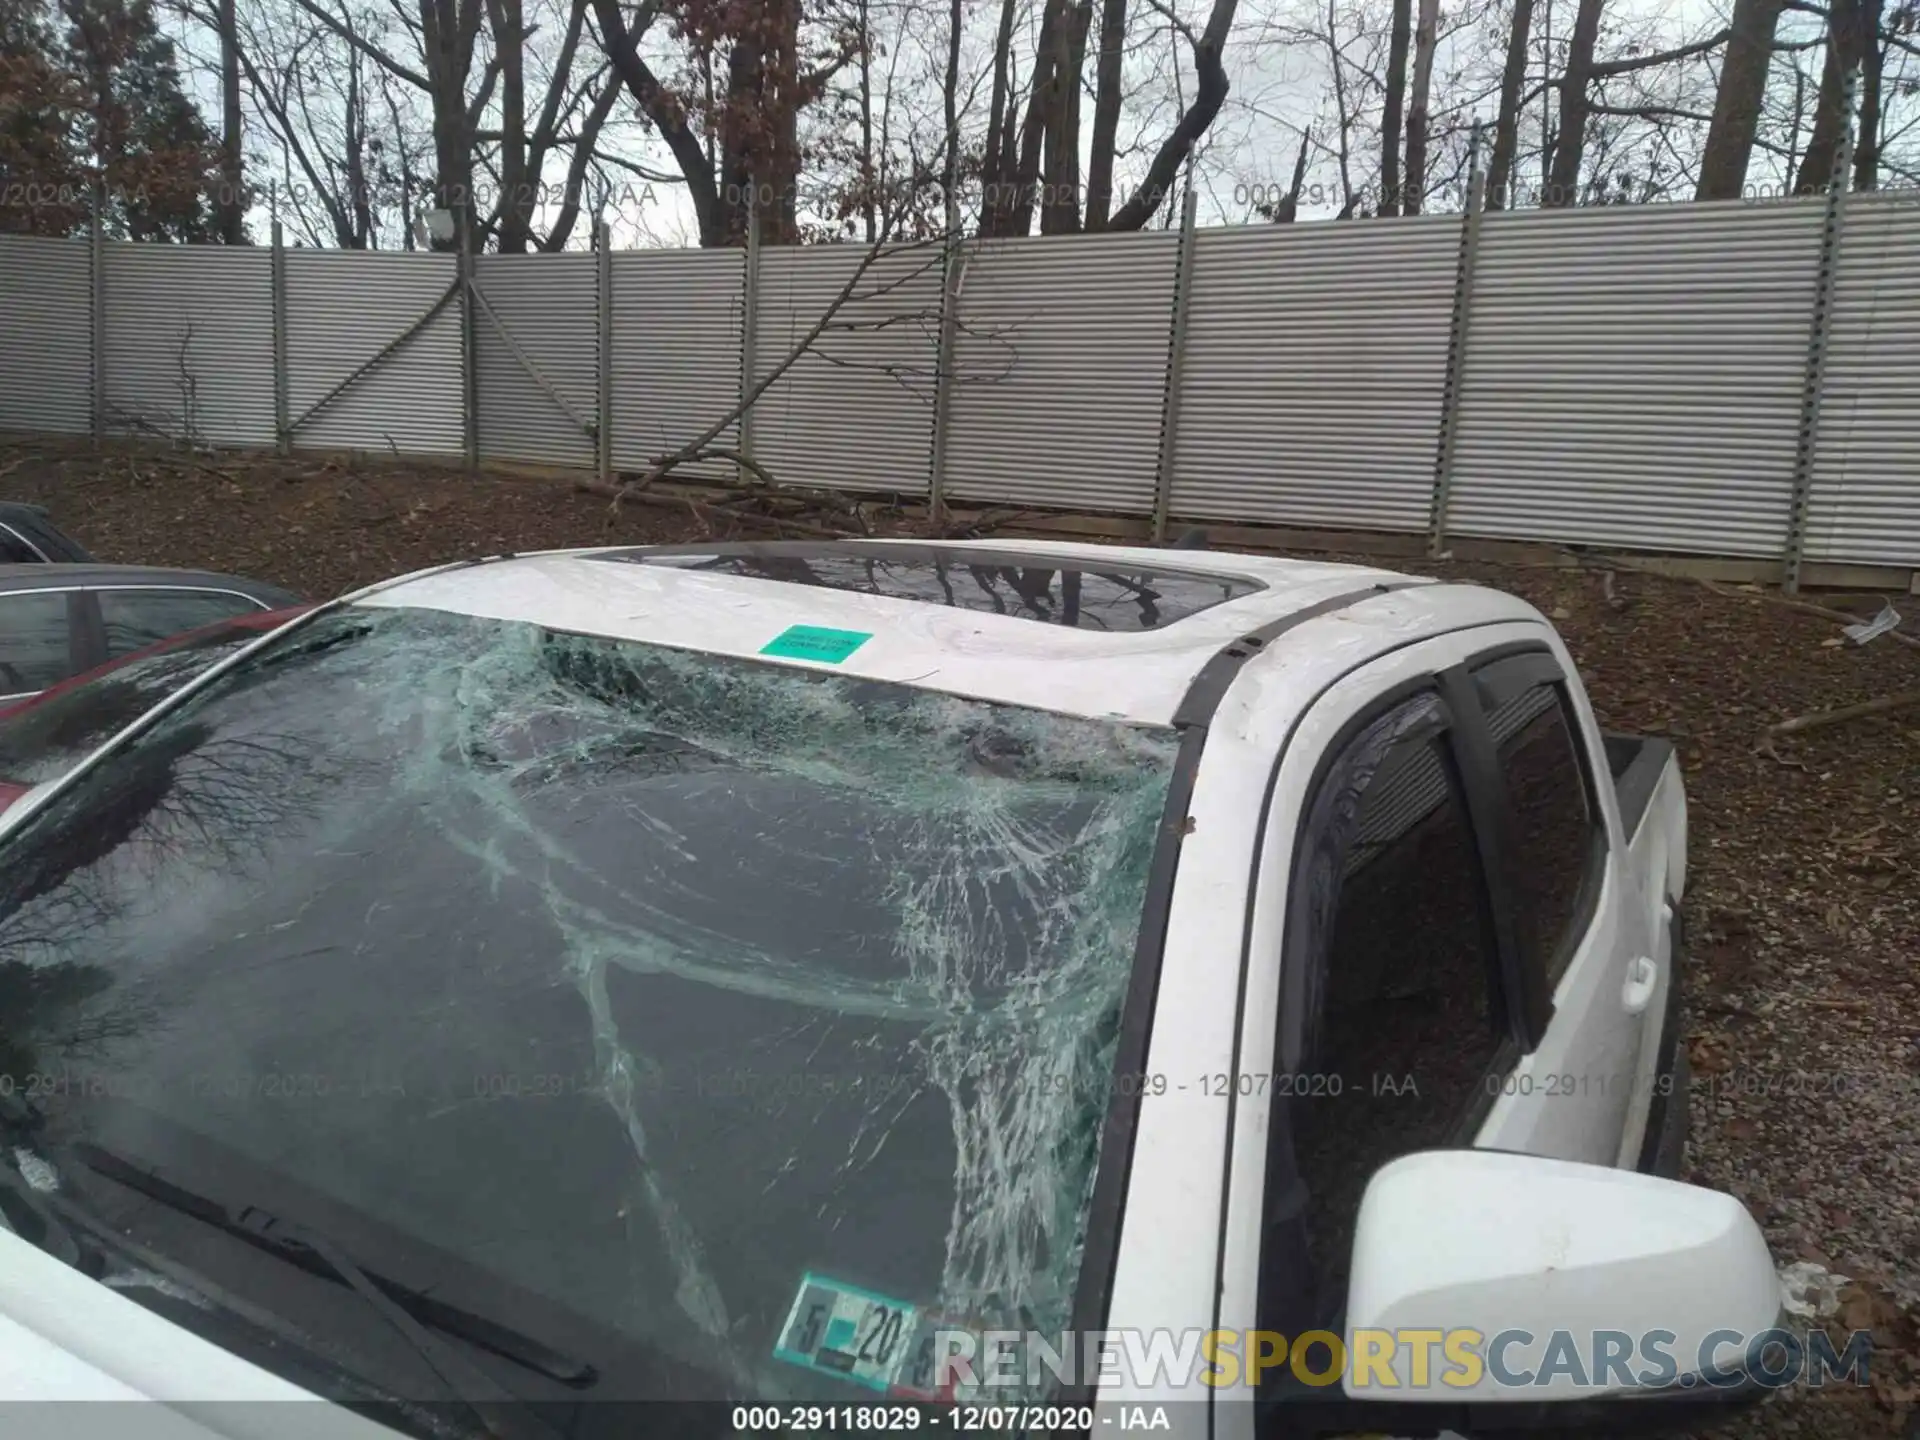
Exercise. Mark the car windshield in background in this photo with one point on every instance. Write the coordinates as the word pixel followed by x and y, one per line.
pixel 662 986
pixel 49 736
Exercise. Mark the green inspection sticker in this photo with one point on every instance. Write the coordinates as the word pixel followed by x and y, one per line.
pixel 845 1331
pixel 813 642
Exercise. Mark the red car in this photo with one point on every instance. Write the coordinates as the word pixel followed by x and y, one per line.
pixel 43 737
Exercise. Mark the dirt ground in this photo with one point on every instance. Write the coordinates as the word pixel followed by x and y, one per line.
pixel 1803 906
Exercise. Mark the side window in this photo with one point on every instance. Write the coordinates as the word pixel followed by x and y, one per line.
pixel 138 618
pixel 1392 982
pixel 1559 838
pixel 36 647
pixel 56 732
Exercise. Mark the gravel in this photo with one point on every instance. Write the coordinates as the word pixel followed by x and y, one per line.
pixel 1803 909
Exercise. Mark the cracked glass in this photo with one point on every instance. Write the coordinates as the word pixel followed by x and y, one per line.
pixel 644 981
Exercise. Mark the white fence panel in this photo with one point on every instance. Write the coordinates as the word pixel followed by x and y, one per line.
pixel 342 307
pixel 548 305
pixel 1315 370
pixel 190 342
pixel 1061 363
pixel 676 351
pixel 856 410
pixel 1634 373
pixel 46 335
pixel 1865 504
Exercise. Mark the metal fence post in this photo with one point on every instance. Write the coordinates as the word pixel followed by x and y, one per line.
pixel 282 381
pixel 749 328
pixel 1807 442
pixel 97 311
pixel 469 343
pixel 952 288
pixel 603 423
pixel 1176 366
pixel 1454 384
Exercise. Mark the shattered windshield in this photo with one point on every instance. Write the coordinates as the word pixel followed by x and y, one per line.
pixel 671 989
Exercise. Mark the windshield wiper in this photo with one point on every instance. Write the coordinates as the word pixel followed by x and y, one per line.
pixel 408 1311
pixel 46 1230
pixel 20 1123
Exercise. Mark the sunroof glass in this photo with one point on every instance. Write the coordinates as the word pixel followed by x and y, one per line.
pixel 1120 598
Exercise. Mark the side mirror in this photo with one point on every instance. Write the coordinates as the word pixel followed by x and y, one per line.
pixel 1580 1282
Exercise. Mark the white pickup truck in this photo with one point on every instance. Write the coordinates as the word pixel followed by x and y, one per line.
pixel 784 978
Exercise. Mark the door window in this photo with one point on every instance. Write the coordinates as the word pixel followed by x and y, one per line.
pixel 1393 975
pixel 35 641
pixel 136 618
pixel 1559 840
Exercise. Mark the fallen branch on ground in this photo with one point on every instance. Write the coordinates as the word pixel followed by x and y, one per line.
pixel 1819 718
pixel 1825 612
pixel 713 514
pixel 702 445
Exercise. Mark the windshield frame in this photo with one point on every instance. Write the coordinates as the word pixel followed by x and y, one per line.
pixel 1101 1243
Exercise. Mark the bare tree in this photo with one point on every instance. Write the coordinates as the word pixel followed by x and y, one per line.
pixel 1060 203
pixel 1423 41
pixel 1845 47
pixel 231 204
pixel 1563 178
pixel 1501 165
pixel 1873 60
pixel 1391 117
pixel 1737 100
pixel 1108 78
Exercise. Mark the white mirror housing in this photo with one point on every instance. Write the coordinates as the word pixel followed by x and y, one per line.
pixel 1619 1282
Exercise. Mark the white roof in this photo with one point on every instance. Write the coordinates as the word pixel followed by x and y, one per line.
pixel 1139 676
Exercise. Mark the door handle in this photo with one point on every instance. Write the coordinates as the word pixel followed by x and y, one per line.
pixel 1642 976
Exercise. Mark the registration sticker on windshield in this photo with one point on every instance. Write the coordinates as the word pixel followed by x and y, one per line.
pixel 814 642
pixel 842 1330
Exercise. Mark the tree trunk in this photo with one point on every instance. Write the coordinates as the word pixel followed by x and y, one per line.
pixel 358 210
pixel 1736 105
pixel 1506 124
pixel 563 223
pixel 1343 113
pixel 1106 112
pixel 1423 41
pixel 1829 116
pixel 1060 203
pixel 554 111
pixel 1288 210
pixel 233 206
pixel 1873 57
pixel 1390 112
pixel 740 188
pixel 1563 181
pixel 781 102
pixel 448 29
pixel 996 167
pixel 867 168
pixel 950 100
pixel 668 117
pixel 1211 86
pixel 516 185
pixel 1016 216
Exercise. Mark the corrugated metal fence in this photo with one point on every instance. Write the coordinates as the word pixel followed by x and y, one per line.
pixel 1729 379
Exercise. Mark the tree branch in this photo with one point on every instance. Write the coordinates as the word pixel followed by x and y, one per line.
pixel 696 166
pixel 1210 94
pixel 1603 69
pixel 366 47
